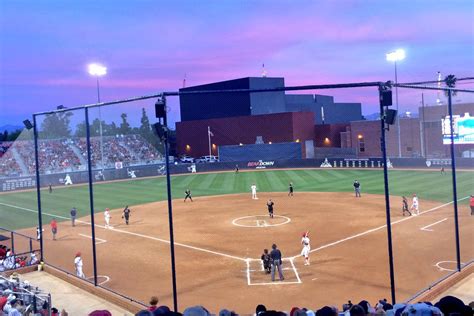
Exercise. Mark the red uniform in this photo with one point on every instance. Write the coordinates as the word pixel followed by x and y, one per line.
pixel 471 204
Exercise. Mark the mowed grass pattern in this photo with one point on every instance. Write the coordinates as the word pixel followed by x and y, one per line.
pixel 427 184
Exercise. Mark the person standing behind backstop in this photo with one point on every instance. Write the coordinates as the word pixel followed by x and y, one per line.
pixel 275 254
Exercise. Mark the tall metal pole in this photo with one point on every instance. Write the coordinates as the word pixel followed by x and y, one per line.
pixel 209 139
pixel 387 197
pixel 91 194
pixel 398 120
pixel 38 188
pixel 422 127
pixel 100 126
pixel 170 209
pixel 453 173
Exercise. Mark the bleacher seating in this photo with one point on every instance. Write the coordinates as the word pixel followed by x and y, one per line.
pixel 58 155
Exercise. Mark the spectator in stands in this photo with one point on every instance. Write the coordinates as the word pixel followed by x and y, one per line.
pixel 196 311
pixel 327 311
pixel 357 310
pixel 260 309
pixel 153 302
pixel 452 305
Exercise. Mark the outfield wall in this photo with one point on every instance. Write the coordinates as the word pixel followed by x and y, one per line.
pixel 22 183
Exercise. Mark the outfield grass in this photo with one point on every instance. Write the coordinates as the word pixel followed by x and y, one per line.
pixel 427 184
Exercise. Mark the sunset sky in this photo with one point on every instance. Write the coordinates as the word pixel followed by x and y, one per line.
pixel 149 46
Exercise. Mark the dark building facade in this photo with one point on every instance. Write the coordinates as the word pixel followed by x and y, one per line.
pixel 200 106
pixel 192 136
pixel 203 106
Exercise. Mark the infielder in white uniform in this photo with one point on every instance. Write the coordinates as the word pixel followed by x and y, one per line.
pixel 107 218
pixel 306 248
pixel 78 265
pixel 253 188
pixel 414 206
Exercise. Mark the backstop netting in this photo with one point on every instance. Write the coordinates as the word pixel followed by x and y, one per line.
pixel 250 170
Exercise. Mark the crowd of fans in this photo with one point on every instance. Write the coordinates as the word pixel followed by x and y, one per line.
pixel 447 306
pixel 16 299
pixel 8 165
pixel 58 155
pixel 19 298
pixel 10 261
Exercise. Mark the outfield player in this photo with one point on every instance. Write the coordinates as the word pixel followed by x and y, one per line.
pixel 67 180
pixel 405 206
pixel 50 188
pixel 253 188
pixel 290 189
pixel 126 214
pixel 270 207
pixel 414 206
pixel 357 188
pixel 306 248
pixel 78 265
pixel 107 218
pixel 188 195
pixel 236 168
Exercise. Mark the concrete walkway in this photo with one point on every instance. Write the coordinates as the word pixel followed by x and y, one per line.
pixel 74 300
pixel 464 290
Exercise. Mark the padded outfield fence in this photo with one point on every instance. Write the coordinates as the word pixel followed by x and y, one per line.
pixel 106 146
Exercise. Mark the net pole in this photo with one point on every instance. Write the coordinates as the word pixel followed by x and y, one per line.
pixel 38 188
pixel 91 194
pixel 453 173
pixel 387 197
pixel 170 209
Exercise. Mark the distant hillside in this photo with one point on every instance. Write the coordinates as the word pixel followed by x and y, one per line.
pixel 10 128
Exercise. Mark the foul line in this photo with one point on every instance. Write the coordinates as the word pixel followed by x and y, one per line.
pixel 378 228
pixel 430 230
pixel 131 233
pixel 100 241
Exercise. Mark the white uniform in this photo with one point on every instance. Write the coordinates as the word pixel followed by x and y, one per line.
pixel 415 206
pixel 67 180
pixel 306 246
pixel 78 265
pixel 107 219
pixel 253 188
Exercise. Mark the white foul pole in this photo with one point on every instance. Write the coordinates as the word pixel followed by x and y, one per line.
pixel 209 137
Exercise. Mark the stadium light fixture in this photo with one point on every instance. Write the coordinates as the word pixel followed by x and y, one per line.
pixel 396 55
pixel 97 70
pixel 270 143
pixel 360 136
pixel 28 124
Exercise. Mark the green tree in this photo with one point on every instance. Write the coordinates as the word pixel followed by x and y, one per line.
pixel 80 129
pixel 56 125
pixel 124 126
pixel 145 129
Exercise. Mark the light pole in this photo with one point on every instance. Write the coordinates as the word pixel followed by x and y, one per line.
pixel 395 56
pixel 98 70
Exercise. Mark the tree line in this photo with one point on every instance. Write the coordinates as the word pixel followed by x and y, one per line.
pixel 58 125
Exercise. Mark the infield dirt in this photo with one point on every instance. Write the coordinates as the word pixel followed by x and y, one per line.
pixel 348 238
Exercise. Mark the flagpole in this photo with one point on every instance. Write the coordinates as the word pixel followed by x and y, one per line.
pixel 209 137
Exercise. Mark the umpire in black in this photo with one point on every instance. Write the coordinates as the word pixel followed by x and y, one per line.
pixel 275 254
